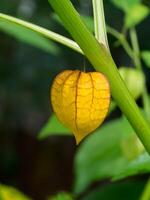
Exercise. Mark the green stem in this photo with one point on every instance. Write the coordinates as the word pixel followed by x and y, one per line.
pixel 46 33
pixel 122 40
pixel 99 22
pixel 146 192
pixel 136 49
pixel 146 103
pixel 137 61
pixel 103 62
pixel 100 31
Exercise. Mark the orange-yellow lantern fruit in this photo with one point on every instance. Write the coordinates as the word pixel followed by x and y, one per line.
pixel 80 100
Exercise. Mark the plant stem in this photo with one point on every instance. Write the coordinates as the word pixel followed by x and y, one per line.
pixel 46 33
pixel 103 62
pixel 122 40
pixel 137 61
pixel 146 103
pixel 146 192
pixel 99 23
pixel 100 31
pixel 136 49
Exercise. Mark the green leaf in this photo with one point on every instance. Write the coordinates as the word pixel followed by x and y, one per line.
pixel 138 13
pixel 100 156
pixel 103 154
pixel 28 36
pixel 135 12
pixel 125 5
pixel 53 127
pixel 10 193
pixel 146 57
pixel 129 190
pixel 138 166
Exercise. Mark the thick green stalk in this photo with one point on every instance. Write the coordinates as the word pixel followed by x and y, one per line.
pixel 103 62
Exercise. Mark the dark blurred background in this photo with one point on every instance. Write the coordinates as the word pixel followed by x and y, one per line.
pixel 41 168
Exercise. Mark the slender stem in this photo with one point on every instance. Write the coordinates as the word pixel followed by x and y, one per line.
pixel 122 40
pixel 46 33
pixel 137 61
pixel 135 45
pixel 99 22
pixel 146 103
pixel 146 192
pixel 134 54
pixel 103 62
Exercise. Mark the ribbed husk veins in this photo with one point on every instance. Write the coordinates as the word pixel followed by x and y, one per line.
pixel 80 100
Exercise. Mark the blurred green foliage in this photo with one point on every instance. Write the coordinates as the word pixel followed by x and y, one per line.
pixel 10 193
pixel 146 57
pixel 135 12
pixel 138 14
pixel 113 151
pixel 61 196
pixel 117 191
pixel 52 127
pixel 30 37
pixel 125 5
pixel 134 80
pixel 101 156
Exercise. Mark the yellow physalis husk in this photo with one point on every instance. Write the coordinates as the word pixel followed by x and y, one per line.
pixel 80 100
